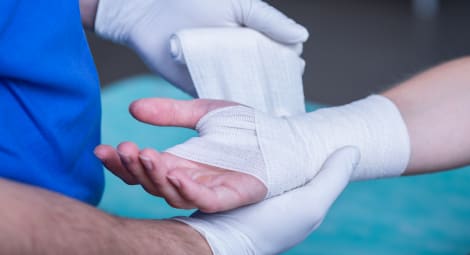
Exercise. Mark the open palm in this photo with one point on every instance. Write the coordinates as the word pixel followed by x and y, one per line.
pixel 183 183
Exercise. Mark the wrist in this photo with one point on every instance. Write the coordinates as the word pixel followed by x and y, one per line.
pixel 374 125
pixel 194 241
pixel 221 237
pixel 143 236
pixel 88 10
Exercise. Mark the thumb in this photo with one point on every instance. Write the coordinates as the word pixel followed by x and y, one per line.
pixel 266 19
pixel 333 178
pixel 170 112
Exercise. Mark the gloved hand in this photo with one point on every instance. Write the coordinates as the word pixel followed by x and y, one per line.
pixel 279 223
pixel 147 25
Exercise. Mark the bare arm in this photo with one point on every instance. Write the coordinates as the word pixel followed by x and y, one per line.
pixel 88 13
pixel 35 221
pixel 436 108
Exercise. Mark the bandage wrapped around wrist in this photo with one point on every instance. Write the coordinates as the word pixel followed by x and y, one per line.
pixel 285 153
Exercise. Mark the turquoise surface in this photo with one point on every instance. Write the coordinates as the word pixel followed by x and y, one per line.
pixel 409 215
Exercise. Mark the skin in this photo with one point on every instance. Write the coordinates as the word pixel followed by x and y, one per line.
pixel 154 180
pixel 424 101
pixel 434 106
pixel 60 225
pixel 88 10
pixel 168 176
pixel 37 221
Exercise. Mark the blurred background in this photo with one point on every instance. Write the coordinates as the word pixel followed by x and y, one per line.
pixel 356 47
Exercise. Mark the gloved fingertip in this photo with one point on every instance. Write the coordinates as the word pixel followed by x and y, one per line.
pixel 275 24
pixel 342 160
pixel 356 154
pixel 290 34
pixel 302 33
pixel 349 155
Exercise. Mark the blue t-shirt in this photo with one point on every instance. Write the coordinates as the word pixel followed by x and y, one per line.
pixel 49 99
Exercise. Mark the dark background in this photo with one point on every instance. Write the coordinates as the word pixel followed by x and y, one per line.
pixel 356 47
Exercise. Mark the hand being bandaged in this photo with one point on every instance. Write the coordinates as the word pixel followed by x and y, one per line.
pixel 242 155
pixel 285 153
pixel 266 155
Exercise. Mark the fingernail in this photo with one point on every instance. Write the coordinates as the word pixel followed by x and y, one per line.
pixel 125 158
pixel 174 181
pixel 147 163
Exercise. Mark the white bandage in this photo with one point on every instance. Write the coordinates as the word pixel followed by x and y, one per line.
pixel 285 153
pixel 227 139
pixel 244 66
pixel 374 125
pixel 277 224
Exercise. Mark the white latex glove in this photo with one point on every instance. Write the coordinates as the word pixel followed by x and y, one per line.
pixel 279 223
pixel 147 25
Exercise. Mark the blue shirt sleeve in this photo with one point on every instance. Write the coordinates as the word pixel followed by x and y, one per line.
pixel 49 97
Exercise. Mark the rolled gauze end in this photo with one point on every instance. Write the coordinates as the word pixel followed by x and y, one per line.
pixel 244 66
pixel 177 50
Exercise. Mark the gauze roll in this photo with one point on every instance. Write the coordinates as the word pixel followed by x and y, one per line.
pixel 244 66
pixel 285 153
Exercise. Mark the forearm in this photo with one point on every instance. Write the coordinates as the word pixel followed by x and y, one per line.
pixel 88 10
pixel 41 222
pixel 435 106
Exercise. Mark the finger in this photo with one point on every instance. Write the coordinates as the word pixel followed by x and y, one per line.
pixel 170 112
pixel 333 177
pixel 156 168
pixel 206 199
pixel 129 154
pixel 273 23
pixel 111 160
